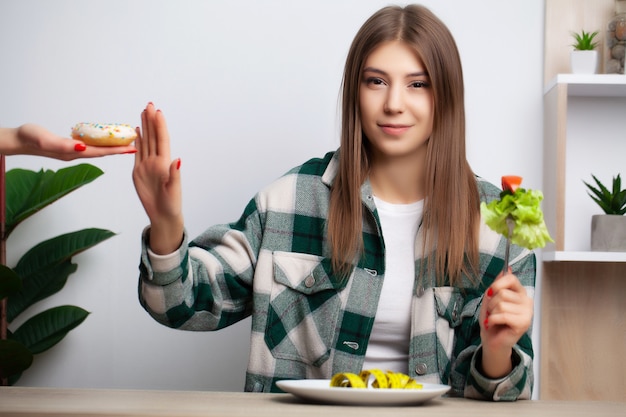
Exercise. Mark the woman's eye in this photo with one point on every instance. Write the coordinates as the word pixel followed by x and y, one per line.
pixel 419 84
pixel 374 81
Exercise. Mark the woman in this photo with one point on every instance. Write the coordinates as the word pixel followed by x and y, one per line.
pixel 372 256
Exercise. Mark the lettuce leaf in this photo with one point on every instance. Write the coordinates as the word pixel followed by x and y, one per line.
pixel 523 206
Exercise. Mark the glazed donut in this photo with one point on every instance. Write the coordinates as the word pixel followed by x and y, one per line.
pixel 96 134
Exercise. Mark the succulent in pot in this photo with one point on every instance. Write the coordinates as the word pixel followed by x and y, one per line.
pixel 584 57
pixel 608 231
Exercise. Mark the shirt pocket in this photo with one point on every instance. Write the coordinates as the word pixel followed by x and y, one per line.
pixel 449 302
pixel 453 311
pixel 303 308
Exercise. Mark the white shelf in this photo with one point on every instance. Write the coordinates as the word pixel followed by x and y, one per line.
pixel 591 85
pixel 583 256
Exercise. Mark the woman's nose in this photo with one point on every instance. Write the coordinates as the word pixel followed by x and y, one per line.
pixel 394 102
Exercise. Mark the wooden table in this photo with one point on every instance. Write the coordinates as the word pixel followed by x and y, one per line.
pixel 20 401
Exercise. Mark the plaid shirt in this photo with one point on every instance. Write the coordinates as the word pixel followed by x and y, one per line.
pixel 273 264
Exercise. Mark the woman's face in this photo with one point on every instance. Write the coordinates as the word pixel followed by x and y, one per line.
pixel 396 102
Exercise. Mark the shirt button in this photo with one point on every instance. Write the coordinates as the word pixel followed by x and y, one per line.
pixel 421 368
pixel 420 291
pixel 309 281
pixel 372 272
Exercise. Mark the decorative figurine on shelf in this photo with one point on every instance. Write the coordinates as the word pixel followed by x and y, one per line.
pixel 616 40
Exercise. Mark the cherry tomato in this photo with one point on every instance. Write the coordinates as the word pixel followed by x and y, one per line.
pixel 511 182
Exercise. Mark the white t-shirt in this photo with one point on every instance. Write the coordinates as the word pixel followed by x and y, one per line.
pixel 388 347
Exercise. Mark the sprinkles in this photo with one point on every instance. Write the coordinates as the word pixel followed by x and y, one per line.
pixel 101 134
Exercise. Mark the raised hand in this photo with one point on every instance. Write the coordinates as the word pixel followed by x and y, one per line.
pixel 157 181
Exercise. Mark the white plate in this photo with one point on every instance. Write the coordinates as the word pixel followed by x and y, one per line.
pixel 320 390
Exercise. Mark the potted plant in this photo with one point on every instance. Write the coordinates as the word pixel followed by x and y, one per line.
pixel 584 57
pixel 608 231
pixel 41 271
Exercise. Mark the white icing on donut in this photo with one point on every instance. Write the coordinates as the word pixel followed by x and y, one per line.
pixel 97 134
pixel 101 131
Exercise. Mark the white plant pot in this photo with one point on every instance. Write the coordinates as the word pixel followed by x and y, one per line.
pixel 608 233
pixel 584 62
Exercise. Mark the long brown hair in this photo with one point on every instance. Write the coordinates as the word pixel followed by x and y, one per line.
pixel 451 206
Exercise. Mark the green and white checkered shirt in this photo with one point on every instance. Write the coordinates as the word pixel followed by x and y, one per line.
pixel 273 264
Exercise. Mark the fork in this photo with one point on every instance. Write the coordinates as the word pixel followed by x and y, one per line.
pixel 511 224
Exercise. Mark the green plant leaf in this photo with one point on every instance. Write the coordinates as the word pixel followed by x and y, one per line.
pixel 27 191
pixel 58 249
pixel 39 286
pixel 584 40
pixel 620 202
pixel 617 184
pixel 46 329
pixel 10 282
pixel 14 358
pixel 611 201
pixel 44 268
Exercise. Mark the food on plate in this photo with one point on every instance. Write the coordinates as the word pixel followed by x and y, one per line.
pixel 97 134
pixel 374 378
pixel 521 205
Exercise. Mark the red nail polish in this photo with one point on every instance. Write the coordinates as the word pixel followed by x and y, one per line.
pixel 178 164
pixel 486 323
pixel 79 147
pixel 131 151
pixel 490 292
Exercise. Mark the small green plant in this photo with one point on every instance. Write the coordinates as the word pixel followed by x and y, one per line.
pixel 611 201
pixel 585 40
pixel 41 271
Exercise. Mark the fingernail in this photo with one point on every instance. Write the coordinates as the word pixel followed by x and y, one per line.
pixel 130 151
pixel 486 323
pixel 79 147
pixel 178 164
pixel 490 292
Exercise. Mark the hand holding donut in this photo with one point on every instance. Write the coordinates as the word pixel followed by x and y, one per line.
pixel 157 181
pixel 506 314
pixel 32 139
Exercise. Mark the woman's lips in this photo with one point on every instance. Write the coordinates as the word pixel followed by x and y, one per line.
pixel 394 129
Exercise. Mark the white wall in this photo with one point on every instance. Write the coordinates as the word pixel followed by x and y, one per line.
pixel 249 89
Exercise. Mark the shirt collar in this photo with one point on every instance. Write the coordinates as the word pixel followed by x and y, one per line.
pixel 331 173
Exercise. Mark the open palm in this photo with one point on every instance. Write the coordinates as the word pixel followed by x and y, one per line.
pixel 157 178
